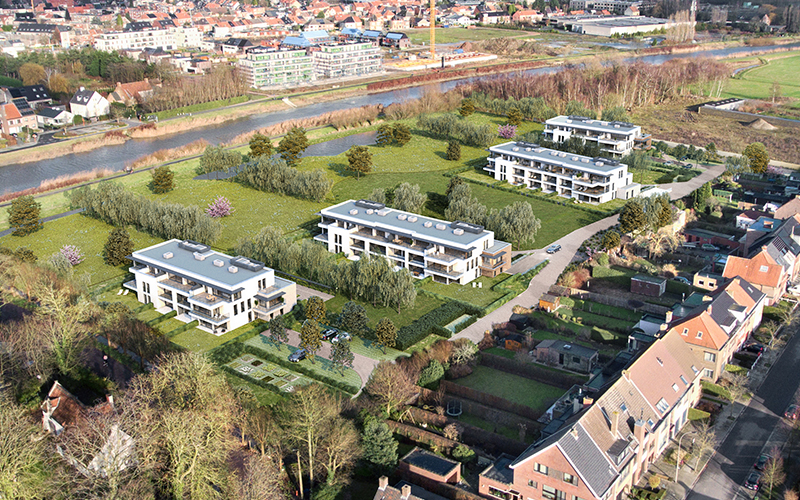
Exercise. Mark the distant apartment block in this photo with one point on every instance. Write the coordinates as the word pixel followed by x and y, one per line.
pixel 167 39
pixel 616 138
pixel 219 291
pixel 264 67
pixel 350 58
pixel 588 180
pixel 449 252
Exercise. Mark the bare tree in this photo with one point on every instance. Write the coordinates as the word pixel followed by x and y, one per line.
pixel 263 478
pixel 391 386
pixel 704 440
pixel 24 462
pixel 340 449
pixel 737 386
pixel 774 473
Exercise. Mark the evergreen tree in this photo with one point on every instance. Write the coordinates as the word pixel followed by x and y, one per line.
pixel 25 254
pixel 292 146
pixel 379 447
pixel 23 216
pixel 117 247
pixel 277 330
pixel 453 151
pixel 454 181
pixel 341 356
pixel 514 117
pixel 385 136
pixel 402 134
pixel 163 180
pixel 261 145
pixel 758 156
pixel 315 308
pixel 359 160
pixel 467 107
pixel 611 240
pixel 664 213
pixel 701 197
pixel 386 333
pixel 354 318
pixel 310 338
pixel 632 217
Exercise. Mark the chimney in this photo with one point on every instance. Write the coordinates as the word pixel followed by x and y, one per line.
pixel 383 482
pixel 405 492
pixel 110 400
pixel 668 317
pixel 615 423
pixel 709 308
pixel 639 431
pixel 576 405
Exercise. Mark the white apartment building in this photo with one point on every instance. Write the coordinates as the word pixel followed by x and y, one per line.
pixel 265 67
pixel 219 291
pixel 449 252
pixel 616 138
pixel 167 39
pixel 351 58
pixel 588 180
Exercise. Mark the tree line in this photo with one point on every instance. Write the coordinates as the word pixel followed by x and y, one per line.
pixel 449 126
pixel 222 82
pixel 272 174
pixel 111 203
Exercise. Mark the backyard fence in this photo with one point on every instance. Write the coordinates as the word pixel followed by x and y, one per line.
pixel 490 400
pixel 606 299
pixel 422 436
pixel 560 379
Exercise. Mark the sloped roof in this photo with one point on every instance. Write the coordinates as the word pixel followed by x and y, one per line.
pixel 50 112
pixel 761 269
pixel 82 97
pixel 31 93
pixel 11 112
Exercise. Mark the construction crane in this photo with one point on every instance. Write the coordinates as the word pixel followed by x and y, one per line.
pixel 433 29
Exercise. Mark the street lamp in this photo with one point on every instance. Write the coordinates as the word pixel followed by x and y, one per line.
pixel 678 456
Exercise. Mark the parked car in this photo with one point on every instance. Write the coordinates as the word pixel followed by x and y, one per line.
pixel 328 333
pixel 553 248
pixel 794 290
pixel 708 247
pixel 792 412
pixel 341 336
pixel 682 280
pixel 298 355
pixel 688 245
pixel 761 462
pixel 754 347
pixel 752 481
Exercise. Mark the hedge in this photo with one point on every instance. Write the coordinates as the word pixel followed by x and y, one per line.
pixel 431 322
pixel 181 329
pixel 715 390
pixel 142 307
pixel 532 371
pixel 163 317
pixel 422 436
pixel 490 400
pixel 695 414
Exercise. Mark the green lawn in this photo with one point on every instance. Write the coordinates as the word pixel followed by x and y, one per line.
pixel 405 317
pixel 512 387
pixel 480 297
pixel 503 430
pixel 368 348
pixel 456 35
pixel 756 83
pixel 263 396
pixel 201 341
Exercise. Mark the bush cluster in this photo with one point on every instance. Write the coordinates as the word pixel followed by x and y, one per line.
pixel 532 108
pixel 451 127
pixel 272 174
pixel 111 203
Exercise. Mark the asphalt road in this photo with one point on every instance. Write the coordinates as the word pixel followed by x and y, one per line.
pixel 728 469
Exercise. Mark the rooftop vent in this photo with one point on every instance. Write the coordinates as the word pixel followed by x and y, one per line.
pixel 527 149
pixel 354 212
pixel 598 163
pixel 383 212
pixel 568 120
pixel 538 150
pixel 515 149
pixel 427 223
pixel 458 232
pixel 245 263
pixel 402 216
pixel 218 263
pixel 441 227
pixel 167 255
pixel 193 246
pixel 553 153
pixel 567 346
pixel 467 226
pixel 199 256
pixel 370 211
pixel 412 218
pixel 574 158
pixel 585 160
pixel 616 125
pixel 562 154
pixel 374 205
pixel 233 269
pixel 604 123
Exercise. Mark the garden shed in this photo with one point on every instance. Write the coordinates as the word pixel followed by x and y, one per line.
pixel 421 463
pixel 566 355
pixel 653 286
pixel 549 302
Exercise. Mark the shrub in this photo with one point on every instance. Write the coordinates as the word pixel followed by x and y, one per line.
pixel 430 376
pixel 72 254
pixel 507 131
pixel 432 322
pixel 463 454
pixel 163 180
pixel 274 175
pixel 451 127
pixel 220 207
pixel 602 259
pixel 453 151
pixel 23 216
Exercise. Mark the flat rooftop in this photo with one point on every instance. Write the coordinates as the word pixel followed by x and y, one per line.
pixel 183 262
pixel 433 463
pixel 591 123
pixel 628 22
pixel 404 223
pixel 551 156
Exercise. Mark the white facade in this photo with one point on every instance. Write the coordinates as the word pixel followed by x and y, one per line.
pixel 588 180
pixel 264 67
pixel 221 292
pixel 167 39
pixel 337 60
pixel 454 252
pixel 89 104
pixel 616 138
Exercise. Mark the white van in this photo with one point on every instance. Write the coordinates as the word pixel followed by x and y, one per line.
pixel 688 244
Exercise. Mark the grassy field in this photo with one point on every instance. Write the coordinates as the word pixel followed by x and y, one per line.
pixel 466 293
pixel 512 387
pixel 457 35
pixel 405 317
pixel 756 83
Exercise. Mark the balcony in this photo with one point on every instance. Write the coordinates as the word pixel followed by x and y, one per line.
pixel 264 310
pixel 181 287
pixel 207 298
pixel 215 319
pixel 321 237
pixel 443 257
pixel 270 293
pixel 444 272
pixel 130 285
pixel 165 296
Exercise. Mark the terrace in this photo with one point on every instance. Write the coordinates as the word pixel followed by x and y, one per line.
pixel 209 299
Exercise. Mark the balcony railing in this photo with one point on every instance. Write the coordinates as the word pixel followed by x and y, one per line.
pixel 217 319
pixel 177 285
pixel 207 298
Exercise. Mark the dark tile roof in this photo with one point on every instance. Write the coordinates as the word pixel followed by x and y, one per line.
pixel 567 348
pixel 432 463
pixel 82 97
pixel 587 458
pixel 50 112
pixel 32 93
pixel 500 471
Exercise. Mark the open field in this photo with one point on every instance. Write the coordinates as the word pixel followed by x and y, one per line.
pixel 756 83
pixel 512 387
pixel 457 35
pixel 406 316
pixel 480 297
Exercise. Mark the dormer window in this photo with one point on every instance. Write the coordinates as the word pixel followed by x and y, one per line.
pixel 685 331
pixel 662 405
pixel 699 335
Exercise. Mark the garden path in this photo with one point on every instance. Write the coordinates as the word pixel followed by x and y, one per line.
pixel 361 364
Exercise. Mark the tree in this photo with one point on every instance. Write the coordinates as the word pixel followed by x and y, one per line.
pixel 220 207
pixel 262 478
pixel 611 240
pixel 454 151
pixel 261 145
pixel 615 114
pixel 430 375
pixel 341 356
pixel 379 445
pixel 218 159
pixel 402 134
pixel 775 91
pixel 385 135
pixel 386 333
pixel 737 164
pixel 408 198
pixel 704 440
pixel 378 195
pixel 25 460
pixel 702 196
pixel 310 338
pixel 664 212
pixel 340 450
pixel 391 386
pixel 315 308
pixel 292 146
pixel 58 84
pixel 774 473
pixel 632 218
pixel 454 182
pixel 118 246
pixel 23 215
pixel 32 73
pixel 464 207
pixel 515 222
pixel 277 330
pixel 514 117
pixel 467 107
pixel 759 157
pixel 162 180
pixel 354 318
pixel 359 160
pixel 737 386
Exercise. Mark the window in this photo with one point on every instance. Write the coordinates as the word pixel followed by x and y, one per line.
pixel 708 373
pixel 235 309
pixel 569 478
pixel 540 468
pixel 574 497
pixel 685 331
pixel 700 282
pixel 662 405
pixel 675 387
pixel 532 484
pixel 710 356
pixel 699 335
pixel 551 493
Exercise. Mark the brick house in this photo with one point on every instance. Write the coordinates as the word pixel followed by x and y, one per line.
pixel 604 449
pixel 762 271
pixel 652 286
pixel 719 325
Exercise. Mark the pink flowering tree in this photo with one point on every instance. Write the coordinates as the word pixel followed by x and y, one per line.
pixel 72 253
pixel 507 131
pixel 220 207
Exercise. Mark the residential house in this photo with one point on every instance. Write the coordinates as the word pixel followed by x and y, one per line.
pixel 89 104
pixel 605 448
pixel 386 492
pixel 400 23
pixel 566 355
pixel 707 281
pixel 35 95
pixel 652 286
pixel 61 409
pixel 616 138
pixel 782 242
pixel 419 463
pixel 449 252
pixel 131 94
pixel 396 40
pixel 746 218
pixel 702 236
pixel 10 119
pixel 235 45
pixel 265 67
pixel 718 326
pixel 762 271
pixel 788 209
pixel 221 292
pixel 526 16
pixel 54 117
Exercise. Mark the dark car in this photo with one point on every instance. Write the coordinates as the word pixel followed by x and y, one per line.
pixel 752 481
pixel 553 248
pixel 341 336
pixel 754 347
pixel 761 462
pixel 328 333
pixel 298 355
pixel 792 412
pixel 681 279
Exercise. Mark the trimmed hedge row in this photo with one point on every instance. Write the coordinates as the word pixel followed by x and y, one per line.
pixel 432 322
pixel 490 400
pixel 142 307
pixel 422 436
pixel 162 318
pixel 181 329
pixel 532 371
pixel 467 322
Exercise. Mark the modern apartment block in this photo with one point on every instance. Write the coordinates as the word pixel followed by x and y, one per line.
pixel 264 67
pixel 588 180
pixel 616 138
pixel 167 39
pixel 449 252
pixel 349 58
pixel 219 291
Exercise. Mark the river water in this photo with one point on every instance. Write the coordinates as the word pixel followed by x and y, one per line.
pixel 25 175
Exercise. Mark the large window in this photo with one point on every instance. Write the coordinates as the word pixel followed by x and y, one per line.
pixel 710 356
pixel 540 468
pixel 569 478
pixel 551 493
